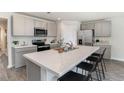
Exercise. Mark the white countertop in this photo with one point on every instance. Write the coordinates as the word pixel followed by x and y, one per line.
pixel 102 43
pixel 60 63
pixel 26 46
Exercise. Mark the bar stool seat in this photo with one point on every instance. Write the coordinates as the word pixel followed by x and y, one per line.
pixel 92 59
pixel 73 76
pixel 99 55
pixel 96 54
pixel 86 66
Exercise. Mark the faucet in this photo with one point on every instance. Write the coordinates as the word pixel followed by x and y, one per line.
pixel 70 45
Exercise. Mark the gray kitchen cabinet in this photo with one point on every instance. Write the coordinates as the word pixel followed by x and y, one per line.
pixel 29 27
pixel 106 28
pixel 98 29
pixel 18 58
pixel 107 54
pixel 18 25
pixel 54 45
pixel 103 28
pixel 52 29
pixel 22 26
pixel 87 26
pixel 40 24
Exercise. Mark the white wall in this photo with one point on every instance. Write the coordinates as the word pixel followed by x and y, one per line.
pixel 117 38
pixel 68 31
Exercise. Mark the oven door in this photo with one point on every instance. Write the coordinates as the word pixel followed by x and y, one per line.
pixel 40 32
pixel 42 48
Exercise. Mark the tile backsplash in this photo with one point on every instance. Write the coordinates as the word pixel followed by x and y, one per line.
pixel 103 39
pixel 28 40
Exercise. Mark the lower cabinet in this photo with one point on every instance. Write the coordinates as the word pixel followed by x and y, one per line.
pixel 18 53
pixel 54 46
pixel 107 54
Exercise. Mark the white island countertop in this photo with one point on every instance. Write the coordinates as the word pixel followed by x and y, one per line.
pixel 60 63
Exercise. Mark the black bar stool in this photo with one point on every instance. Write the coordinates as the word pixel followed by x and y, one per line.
pixel 73 76
pixel 98 55
pixel 94 57
pixel 90 66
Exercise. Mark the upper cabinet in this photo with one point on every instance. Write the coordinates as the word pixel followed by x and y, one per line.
pixel 106 28
pixel 103 28
pixel 22 26
pixel 18 25
pixel 29 27
pixel 98 29
pixel 40 24
pixel 52 29
pixel 87 26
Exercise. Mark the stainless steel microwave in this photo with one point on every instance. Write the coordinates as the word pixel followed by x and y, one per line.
pixel 40 32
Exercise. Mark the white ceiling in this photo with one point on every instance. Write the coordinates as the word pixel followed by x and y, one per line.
pixel 79 16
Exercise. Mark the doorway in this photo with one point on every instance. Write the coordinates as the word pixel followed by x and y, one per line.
pixel 3 37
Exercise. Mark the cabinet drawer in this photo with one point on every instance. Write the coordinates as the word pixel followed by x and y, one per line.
pixel 19 58
pixel 26 49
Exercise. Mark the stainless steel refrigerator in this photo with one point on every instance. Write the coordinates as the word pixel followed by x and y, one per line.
pixel 86 37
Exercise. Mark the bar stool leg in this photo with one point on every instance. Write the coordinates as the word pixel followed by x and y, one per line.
pixel 104 65
pixel 99 73
pixel 102 70
pixel 77 69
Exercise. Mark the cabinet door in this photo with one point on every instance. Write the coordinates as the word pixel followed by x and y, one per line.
pixel 83 26
pixel 87 26
pixel 103 28
pixel 29 27
pixel 98 29
pixel 20 59
pixel 52 29
pixel 106 29
pixel 18 25
pixel 44 25
pixel 41 24
pixel 38 24
pixel 90 26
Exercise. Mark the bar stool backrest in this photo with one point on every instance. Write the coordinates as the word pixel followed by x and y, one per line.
pixel 102 55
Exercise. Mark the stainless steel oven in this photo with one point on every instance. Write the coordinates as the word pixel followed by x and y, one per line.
pixel 41 46
pixel 40 32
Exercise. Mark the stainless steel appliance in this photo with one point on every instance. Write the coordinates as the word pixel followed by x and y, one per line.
pixel 41 46
pixel 80 42
pixel 40 32
pixel 86 37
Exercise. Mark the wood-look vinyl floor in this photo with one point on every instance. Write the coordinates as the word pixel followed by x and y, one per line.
pixel 10 74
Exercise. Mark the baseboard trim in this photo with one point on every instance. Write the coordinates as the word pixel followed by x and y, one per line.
pixel 118 59
pixel 10 66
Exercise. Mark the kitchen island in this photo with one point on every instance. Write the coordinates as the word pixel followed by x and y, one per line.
pixel 49 65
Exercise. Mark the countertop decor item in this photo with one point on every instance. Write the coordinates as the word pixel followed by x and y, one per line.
pixel 15 42
pixel 60 50
pixel 97 40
